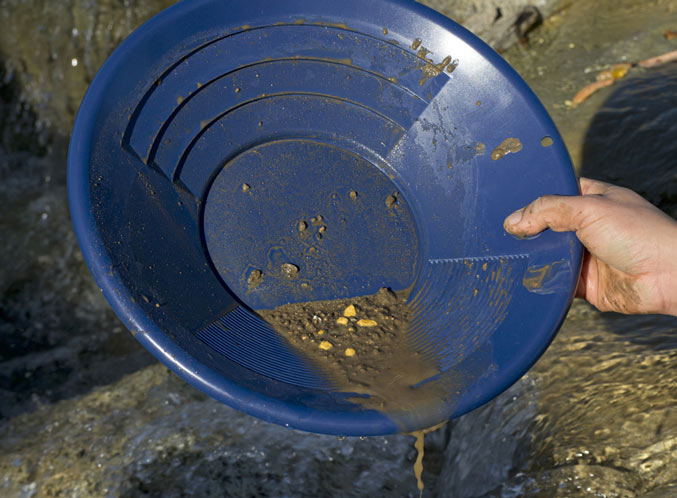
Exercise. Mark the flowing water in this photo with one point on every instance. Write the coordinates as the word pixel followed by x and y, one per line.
pixel 85 411
pixel 597 415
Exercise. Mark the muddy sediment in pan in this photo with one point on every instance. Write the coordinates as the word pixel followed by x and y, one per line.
pixel 363 346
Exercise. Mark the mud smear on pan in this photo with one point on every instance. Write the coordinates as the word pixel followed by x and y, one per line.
pixel 362 343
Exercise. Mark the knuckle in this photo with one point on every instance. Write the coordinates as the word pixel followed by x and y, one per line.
pixel 540 204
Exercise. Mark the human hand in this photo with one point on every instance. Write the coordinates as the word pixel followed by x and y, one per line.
pixel 630 262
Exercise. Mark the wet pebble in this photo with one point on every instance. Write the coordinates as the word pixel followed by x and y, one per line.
pixel 365 322
pixel 289 270
pixel 255 278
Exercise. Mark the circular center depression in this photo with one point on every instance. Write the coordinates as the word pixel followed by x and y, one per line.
pixel 299 220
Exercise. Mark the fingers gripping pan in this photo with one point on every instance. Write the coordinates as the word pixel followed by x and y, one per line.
pixel 297 206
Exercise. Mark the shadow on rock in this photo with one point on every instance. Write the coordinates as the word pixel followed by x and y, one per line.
pixel 632 140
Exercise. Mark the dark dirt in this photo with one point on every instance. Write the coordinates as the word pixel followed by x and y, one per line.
pixel 362 343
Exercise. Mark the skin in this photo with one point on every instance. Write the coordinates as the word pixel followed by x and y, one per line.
pixel 630 261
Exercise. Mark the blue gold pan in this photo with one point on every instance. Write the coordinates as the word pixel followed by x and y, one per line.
pixel 401 141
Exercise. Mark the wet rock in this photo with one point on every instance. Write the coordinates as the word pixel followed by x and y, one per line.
pixel 151 434
pixel 632 31
pixel 595 415
pixel 56 48
pixel 500 23
pixel 58 335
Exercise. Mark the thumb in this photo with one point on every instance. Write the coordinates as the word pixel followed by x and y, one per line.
pixel 557 212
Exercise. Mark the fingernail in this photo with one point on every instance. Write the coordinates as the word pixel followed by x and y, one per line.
pixel 514 218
